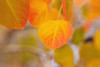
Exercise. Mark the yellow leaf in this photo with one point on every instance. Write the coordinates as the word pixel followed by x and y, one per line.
pixel 64 56
pixel 93 63
pixel 97 40
pixel 88 52
pixel 55 33
pixel 14 13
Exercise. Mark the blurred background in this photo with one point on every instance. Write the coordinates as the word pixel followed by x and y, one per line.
pixel 23 48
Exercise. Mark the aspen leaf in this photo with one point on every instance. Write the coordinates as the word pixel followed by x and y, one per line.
pixel 41 17
pixel 55 33
pixel 93 63
pixel 37 12
pixel 47 1
pixel 78 36
pixel 53 15
pixel 97 40
pixel 14 13
pixel 88 52
pixel 94 4
pixel 92 10
pixel 64 56
pixel 79 3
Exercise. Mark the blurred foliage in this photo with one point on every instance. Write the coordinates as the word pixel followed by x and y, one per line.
pixel 88 52
pixel 93 63
pixel 64 56
pixel 78 36
pixel 97 40
pixel 28 56
pixel 28 41
pixel 23 48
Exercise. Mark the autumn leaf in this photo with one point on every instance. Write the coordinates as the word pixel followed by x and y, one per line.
pixel 64 56
pixel 97 40
pixel 50 14
pixel 91 10
pixel 88 52
pixel 55 33
pixel 79 3
pixel 93 63
pixel 37 12
pixel 48 1
pixel 78 36
pixel 94 4
pixel 14 13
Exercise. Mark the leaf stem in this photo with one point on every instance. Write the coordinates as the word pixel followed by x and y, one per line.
pixel 59 11
pixel 64 7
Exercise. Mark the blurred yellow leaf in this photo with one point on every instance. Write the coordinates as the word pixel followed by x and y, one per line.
pixel 97 40
pixel 64 56
pixel 14 13
pixel 55 33
pixel 93 63
pixel 88 52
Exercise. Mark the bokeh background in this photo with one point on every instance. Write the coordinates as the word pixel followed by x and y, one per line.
pixel 23 48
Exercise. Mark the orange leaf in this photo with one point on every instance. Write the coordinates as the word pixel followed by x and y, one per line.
pixel 93 63
pixel 14 13
pixel 55 34
pixel 38 16
pixel 37 12
pixel 47 1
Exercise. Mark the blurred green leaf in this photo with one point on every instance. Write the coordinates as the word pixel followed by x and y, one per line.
pixel 78 36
